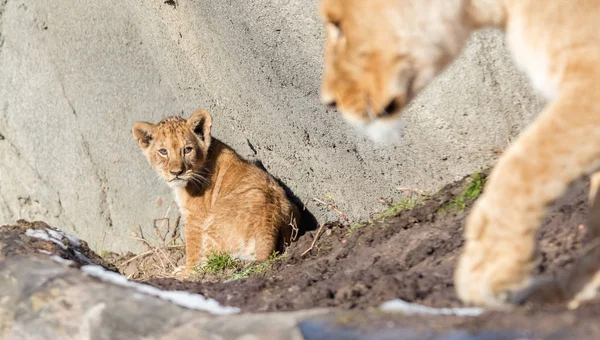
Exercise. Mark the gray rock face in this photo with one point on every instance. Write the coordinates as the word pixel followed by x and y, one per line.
pixel 45 300
pixel 75 76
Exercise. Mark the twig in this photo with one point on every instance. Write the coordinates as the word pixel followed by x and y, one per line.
pixel 138 235
pixel 168 221
pixel 384 201
pixel 136 257
pixel 157 230
pixel 102 242
pixel 312 245
pixel 175 233
pixel 152 249
pixel 295 228
pixel 160 259
pixel 166 257
pixel 332 207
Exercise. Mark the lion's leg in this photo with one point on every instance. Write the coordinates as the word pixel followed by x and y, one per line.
pixel 193 245
pixel 594 185
pixel 500 250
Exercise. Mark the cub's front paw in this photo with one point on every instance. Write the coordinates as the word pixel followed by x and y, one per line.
pixel 497 258
pixel 182 272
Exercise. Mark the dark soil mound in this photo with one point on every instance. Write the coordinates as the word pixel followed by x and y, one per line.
pixel 409 256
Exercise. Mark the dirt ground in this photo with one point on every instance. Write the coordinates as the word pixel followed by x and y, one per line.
pixel 408 255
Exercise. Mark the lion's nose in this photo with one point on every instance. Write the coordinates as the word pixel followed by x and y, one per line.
pixel 176 172
pixel 390 109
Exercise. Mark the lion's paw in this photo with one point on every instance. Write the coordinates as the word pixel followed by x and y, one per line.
pixel 495 263
pixel 182 272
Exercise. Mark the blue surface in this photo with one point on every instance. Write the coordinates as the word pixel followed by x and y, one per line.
pixel 316 330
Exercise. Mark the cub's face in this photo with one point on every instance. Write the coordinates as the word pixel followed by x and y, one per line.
pixel 177 149
pixel 380 53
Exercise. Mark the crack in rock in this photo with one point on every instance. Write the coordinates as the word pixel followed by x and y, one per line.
pixel 105 210
pixel 2 10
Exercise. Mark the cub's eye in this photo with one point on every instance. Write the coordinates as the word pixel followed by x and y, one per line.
pixel 187 150
pixel 162 152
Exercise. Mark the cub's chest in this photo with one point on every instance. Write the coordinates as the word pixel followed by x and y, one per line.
pixel 192 208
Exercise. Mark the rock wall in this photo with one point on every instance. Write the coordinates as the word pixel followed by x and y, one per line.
pixel 76 75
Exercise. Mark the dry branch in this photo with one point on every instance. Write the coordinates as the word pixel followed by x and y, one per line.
pixel 334 208
pixel 312 245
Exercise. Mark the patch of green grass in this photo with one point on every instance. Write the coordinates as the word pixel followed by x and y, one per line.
pixel 355 226
pixel 256 268
pixel 105 253
pixel 407 203
pixel 218 262
pixel 471 193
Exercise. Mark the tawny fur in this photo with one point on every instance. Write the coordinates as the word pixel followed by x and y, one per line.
pixel 381 53
pixel 228 204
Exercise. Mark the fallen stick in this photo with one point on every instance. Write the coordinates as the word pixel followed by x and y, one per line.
pixel 135 257
pixel 175 233
pixel 312 245
pixel 332 207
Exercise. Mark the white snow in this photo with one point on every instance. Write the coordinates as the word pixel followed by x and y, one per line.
pixel 414 308
pixel 82 257
pixel 60 260
pixel 43 251
pixel 54 234
pixel 42 234
pixel 57 234
pixel 75 242
pixel 56 237
pixel 181 298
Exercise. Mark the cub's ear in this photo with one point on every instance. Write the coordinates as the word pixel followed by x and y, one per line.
pixel 143 133
pixel 201 122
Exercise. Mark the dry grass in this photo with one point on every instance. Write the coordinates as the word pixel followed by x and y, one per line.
pixel 161 257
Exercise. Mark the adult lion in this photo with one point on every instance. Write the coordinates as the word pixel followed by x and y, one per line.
pixel 381 53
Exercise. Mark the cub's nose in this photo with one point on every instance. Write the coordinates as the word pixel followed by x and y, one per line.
pixel 176 172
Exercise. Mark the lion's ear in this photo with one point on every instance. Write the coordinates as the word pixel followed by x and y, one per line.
pixel 143 133
pixel 201 122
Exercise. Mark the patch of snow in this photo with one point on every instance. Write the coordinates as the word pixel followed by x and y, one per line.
pixel 61 260
pixel 414 308
pixel 75 241
pixel 54 233
pixel 82 257
pixel 57 234
pixel 56 237
pixel 43 251
pixel 42 234
pixel 181 298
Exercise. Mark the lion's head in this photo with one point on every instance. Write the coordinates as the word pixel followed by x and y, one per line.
pixel 379 54
pixel 176 148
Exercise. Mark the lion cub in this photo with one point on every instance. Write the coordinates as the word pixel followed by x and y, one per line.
pixel 228 204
